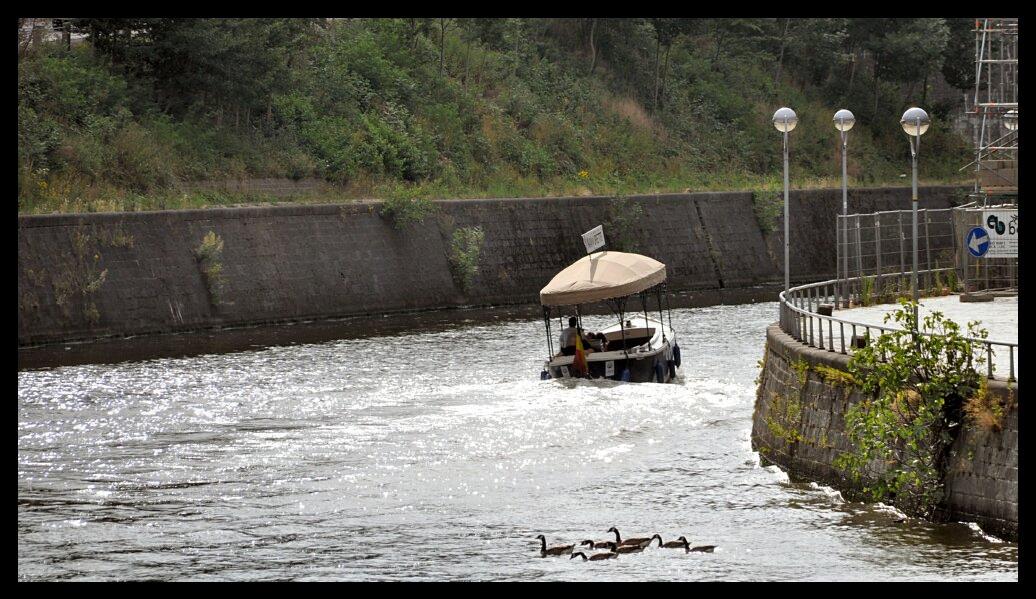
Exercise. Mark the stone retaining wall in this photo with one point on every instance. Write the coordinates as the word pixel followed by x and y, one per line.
pixel 89 276
pixel 799 424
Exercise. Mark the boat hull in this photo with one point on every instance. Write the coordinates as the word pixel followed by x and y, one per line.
pixel 641 369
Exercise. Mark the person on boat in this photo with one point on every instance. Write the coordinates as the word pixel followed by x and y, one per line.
pixel 596 341
pixel 567 338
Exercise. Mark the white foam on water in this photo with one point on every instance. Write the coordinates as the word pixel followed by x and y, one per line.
pixel 889 509
pixel 831 492
pixel 978 529
pixel 606 454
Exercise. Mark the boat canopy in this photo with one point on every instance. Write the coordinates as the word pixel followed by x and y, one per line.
pixel 602 276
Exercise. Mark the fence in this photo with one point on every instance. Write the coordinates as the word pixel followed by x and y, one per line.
pixel 874 248
pixel 799 318
pixel 981 273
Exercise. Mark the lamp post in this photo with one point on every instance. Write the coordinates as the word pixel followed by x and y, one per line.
pixel 844 121
pixel 785 120
pixel 915 122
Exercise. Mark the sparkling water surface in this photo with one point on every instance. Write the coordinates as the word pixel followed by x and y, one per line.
pixel 439 456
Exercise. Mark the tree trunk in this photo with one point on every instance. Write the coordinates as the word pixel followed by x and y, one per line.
pixel 719 44
pixel 467 57
pixel 876 86
pixel 924 90
pixel 665 76
pixel 442 44
pixel 28 38
pixel 780 58
pixel 593 49
pixel 658 46
pixel 852 68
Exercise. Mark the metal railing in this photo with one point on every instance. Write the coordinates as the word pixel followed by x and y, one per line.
pixel 800 319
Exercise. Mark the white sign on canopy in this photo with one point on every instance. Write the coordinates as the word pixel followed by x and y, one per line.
pixel 594 239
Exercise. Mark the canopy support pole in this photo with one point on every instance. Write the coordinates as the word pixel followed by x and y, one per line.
pixel 661 321
pixel 643 304
pixel 550 342
pixel 668 308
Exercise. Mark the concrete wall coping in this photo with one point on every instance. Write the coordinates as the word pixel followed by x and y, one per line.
pixel 33 220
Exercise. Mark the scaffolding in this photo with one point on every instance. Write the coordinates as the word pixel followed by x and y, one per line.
pixel 993 113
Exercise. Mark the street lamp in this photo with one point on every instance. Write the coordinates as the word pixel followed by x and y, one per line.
pixel 1011 120
pixel 915 122
pixel 785 120
pixel 844 121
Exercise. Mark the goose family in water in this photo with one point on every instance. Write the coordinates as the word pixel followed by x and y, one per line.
pixel 634 545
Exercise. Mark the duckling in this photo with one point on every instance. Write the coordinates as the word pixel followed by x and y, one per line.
pixel 680 544
pixel 641 541
pixel 596 556
pixel 556 550
pixel 595 544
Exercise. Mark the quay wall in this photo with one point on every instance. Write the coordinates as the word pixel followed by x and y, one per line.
pixel 94 276
pixel 799 425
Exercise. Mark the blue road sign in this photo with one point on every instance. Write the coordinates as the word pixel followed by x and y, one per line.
pixel 977 241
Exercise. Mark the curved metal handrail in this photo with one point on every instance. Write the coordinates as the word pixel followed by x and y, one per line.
pixel 797 315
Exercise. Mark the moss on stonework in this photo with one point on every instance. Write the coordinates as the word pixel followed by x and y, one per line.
pixel 835 376
pixel 785 417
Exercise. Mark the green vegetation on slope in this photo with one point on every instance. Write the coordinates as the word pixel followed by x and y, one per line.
pixel 398 108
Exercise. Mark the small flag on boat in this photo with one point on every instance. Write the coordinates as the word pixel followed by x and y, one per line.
pixel 579 362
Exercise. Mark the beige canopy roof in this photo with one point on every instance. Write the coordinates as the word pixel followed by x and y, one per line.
pixel 602 276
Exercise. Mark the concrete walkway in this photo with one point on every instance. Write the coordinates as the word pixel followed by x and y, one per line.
pixel 999 317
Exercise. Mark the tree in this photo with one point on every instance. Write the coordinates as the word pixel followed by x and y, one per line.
pixel 666 32
pixel 904 51
pixel 218 64
pixel 444 25
pixel 958 65
pixel 815 47
pixel 593 48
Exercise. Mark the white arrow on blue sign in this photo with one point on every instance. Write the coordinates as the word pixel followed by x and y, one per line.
pixel 977 241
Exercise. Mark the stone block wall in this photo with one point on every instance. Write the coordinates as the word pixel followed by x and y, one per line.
pixel 88 276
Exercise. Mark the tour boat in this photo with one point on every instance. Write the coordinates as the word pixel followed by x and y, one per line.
pixel 639 347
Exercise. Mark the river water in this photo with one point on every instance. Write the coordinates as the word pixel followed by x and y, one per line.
pixel 439 456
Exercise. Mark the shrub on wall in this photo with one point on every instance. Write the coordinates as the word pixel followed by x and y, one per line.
pixel 985 410
pixel 405 210
pixel 767 207
pixel 210 259
pixel 465 249
pixel 915 387
pixel 623 216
